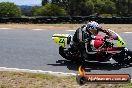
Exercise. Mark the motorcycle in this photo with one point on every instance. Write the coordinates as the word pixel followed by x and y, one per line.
pixel 104 47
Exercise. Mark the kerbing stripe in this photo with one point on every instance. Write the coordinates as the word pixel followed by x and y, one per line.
pixel 36 71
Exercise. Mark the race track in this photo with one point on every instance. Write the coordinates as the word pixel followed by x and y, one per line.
pixel 35 50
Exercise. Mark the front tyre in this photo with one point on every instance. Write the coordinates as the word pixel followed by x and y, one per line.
pixel 70 54
pixel 125 57
pixel 61 52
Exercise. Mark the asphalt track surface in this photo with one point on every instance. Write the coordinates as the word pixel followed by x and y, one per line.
pixel 35 50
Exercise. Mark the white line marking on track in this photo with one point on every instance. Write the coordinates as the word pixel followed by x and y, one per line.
pixel 36 71
pixel 38 29
pixel 5 28
pixel 70 30
pixel 127 32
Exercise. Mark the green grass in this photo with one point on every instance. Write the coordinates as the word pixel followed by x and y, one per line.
pixel 38 80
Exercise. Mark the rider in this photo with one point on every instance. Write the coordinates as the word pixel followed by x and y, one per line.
pixel 85 34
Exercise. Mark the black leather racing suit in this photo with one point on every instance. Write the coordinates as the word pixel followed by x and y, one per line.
pixel 81 37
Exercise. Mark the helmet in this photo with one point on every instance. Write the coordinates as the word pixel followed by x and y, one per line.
pixel 92 27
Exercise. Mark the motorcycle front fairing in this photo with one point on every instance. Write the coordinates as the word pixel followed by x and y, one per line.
pixel 63 40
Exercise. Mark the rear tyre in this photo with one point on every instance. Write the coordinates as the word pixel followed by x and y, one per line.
pixel 125 57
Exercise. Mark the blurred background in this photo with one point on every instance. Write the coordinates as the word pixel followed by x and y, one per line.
pixel 72 11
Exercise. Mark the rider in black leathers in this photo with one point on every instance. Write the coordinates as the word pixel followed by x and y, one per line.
pixel 85 34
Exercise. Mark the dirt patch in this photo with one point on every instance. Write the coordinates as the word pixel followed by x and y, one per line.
pixel 41 26
pixel 115 27
pixel 118 27
pixel 34 80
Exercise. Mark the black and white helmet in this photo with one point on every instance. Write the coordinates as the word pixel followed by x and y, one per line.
pixel 92 27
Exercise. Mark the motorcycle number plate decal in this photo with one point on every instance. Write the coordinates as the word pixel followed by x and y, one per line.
pixel 59 41
pixel 62 42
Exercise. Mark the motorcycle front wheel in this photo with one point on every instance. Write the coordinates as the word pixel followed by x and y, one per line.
pixel 125 57
pixel 69 55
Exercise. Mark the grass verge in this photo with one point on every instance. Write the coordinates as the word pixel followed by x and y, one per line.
pixel 36 80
